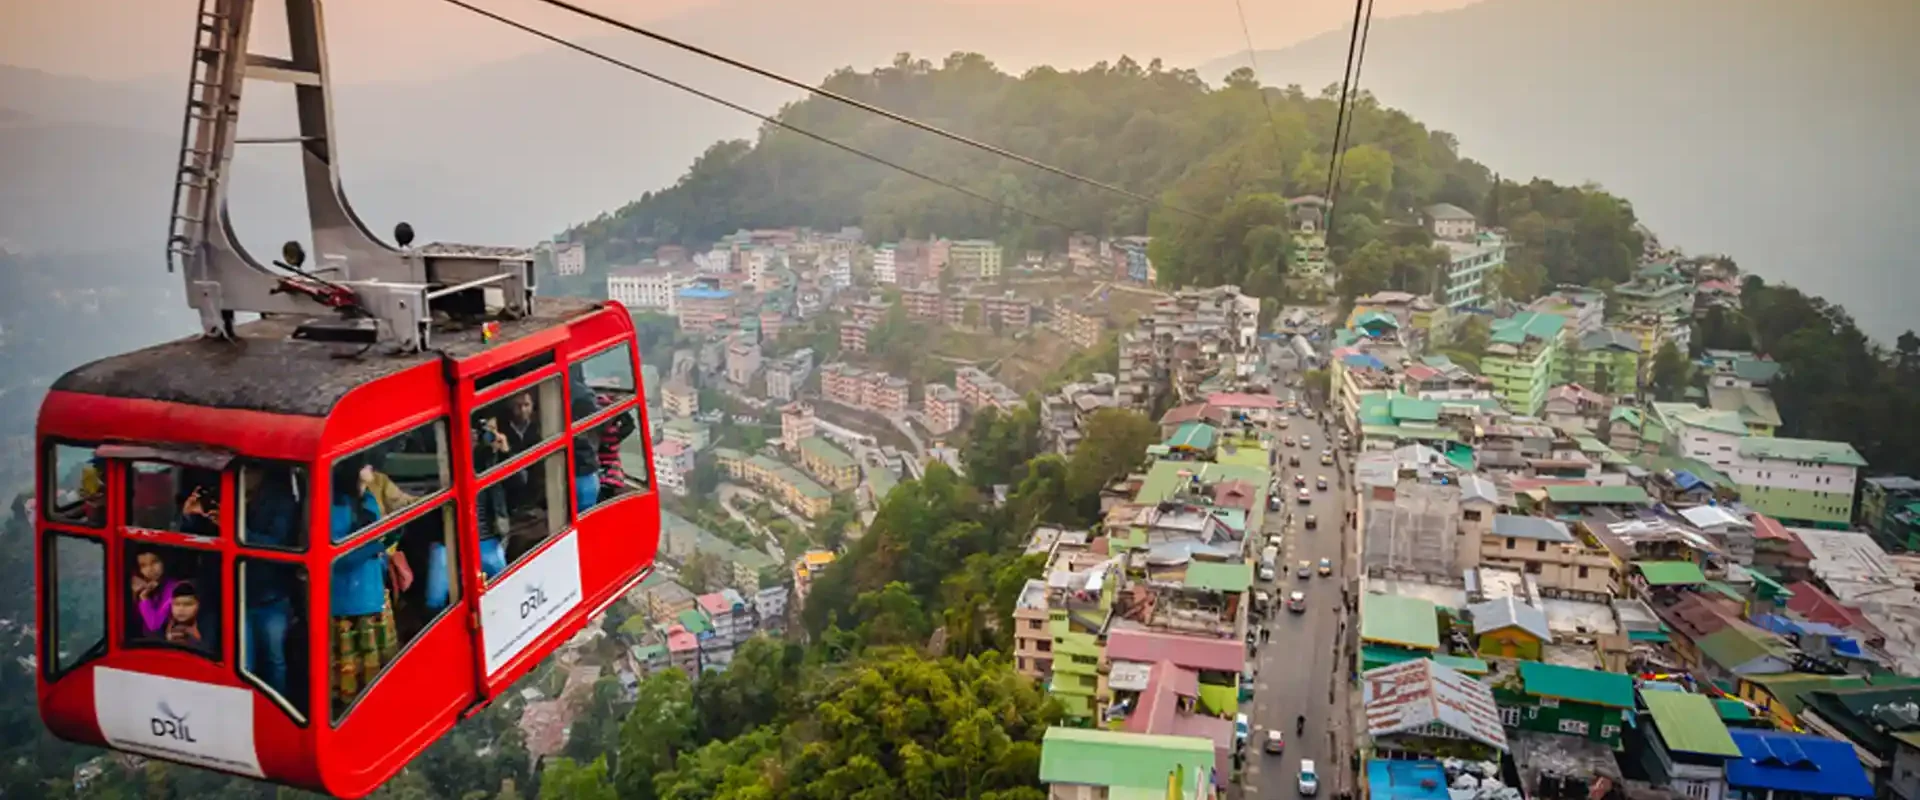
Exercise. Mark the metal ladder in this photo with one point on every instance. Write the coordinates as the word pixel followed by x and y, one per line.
pixel 212 109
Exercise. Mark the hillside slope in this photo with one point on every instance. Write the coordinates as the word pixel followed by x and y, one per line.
pixel 1772 130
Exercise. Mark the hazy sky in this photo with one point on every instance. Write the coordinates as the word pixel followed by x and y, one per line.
pixel 423 39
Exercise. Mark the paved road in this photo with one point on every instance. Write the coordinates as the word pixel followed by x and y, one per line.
pixel 1298 668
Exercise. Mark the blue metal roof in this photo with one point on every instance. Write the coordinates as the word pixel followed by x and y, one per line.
pixel 1793 762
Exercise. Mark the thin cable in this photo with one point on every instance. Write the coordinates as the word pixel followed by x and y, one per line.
pixel 752 113
pixel 862 105
pixel 1340 115
pixel 1254 64
pixel 1359 63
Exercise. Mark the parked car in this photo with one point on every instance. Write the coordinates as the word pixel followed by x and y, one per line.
pixel 1266 574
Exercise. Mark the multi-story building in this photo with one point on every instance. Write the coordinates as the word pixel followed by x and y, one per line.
pixel 569 258
pixel 868 312
pixel 1604 360
pixel 828 463
pixel 942 408
pixel 1007 309
pixel 1881 501
pixel 680 399
pixel 1660 294
pixel 924 302
pixel 886 394
pixel 978 390
pixel 689 434
pixel 1032 639
pixel 853 336
pixel 883 265
pixel 1448 221
pixel 671 463
pixel 1469 263
pixel 1519 360
pixel 796 425
pixel 974 259
pixel 648 288
pixel 1798 481
pixel 743 361
pixel 838 271
pixel 728 614
pixel 782 483
pixel 1689 431
pixel 806 568
pixel 1546 549
pixel 1753 404
pixel 1585 309
pixel 787 374
pixel 1079 324
pixel 704 310
pixel 843 383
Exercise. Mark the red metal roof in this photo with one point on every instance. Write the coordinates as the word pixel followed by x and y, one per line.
pixel 1816 605
pixel 1191 652
pixel 1243 400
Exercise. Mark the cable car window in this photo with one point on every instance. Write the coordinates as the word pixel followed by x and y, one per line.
pixel 162 496
pixel 273 625
pixel 273 506
pixel 521 510
pixel 173 598
pixel 76 569
pixel 516 423
pixel 398 473
pixel 505 374
pixel 76 484
pixel 608 461
pixel 601 380
pixel 384 593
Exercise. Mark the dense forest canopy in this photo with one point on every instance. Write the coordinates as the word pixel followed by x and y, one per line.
pixel 1224 153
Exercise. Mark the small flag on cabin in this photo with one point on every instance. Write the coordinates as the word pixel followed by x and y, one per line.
pixel 488 330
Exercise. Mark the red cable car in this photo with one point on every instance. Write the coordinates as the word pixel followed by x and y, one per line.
pixel 302 548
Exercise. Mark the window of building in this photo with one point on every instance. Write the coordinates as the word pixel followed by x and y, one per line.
pixel 1471 514
pixel 77 607
pixel 172 598
pixel 1539 546
pixel 1510 543
pixel 388 478
pixel 76 486
pixel 1583 572
pixel 1046 645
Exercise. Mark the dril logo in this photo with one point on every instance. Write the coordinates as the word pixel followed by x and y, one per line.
pixel 169 725
pixel 536 597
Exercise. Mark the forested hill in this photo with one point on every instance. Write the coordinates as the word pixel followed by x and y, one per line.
pixel 1156 131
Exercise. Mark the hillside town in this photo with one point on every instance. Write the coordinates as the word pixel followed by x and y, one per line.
pixel 1425 545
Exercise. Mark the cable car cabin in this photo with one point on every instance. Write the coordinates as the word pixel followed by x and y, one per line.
pixel 301 562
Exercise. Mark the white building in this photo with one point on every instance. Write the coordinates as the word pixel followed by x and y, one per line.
pixel 883 265
pixel 1798 480
pixel 672 461
pixel 838 272
pixel 1468 266
pixel 647 288
pixel 1703 433
pixel 1448 221
pixel 569 258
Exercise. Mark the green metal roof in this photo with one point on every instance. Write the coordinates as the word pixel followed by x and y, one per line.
pixel 1631 415
pixel 1611 495
pixel 1471 666
pixel 1732 710
pixel 1163 478
pixel 825 451
pixel 1689 724
pixel 1415 409
pixel 882 483
pixel 1815 450
pixel 1194 435
pixel 1792 688
pixel 1591 686
pixel 1399 620
pixel 694 621
pixel 1699 469
pixel 1735 646
pixel 1671 573
pixel 1525 325
pixel 1089 757
pixel 1219 576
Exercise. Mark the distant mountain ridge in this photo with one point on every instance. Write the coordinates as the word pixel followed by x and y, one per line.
pixel 1772 130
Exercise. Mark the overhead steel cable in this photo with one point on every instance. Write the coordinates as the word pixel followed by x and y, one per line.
pixel 1253 63
pixel 862 105
pixel 1340 114
pixel 769 119
pixel 1359 64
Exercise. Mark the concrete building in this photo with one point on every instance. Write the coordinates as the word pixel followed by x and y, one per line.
pixel 1798 481
pixel 1689 431
pixel 924 302
pixel 743 361
pixel 886 394
pixel 786 375
pixel 975 259
pixel 1448 221
pixel 1882 501
pixel 647 288
pixel 978 390
pixel 853 337
pixel 1584 309
pixel 672 461
pixel 1547 550
pixel 569 258
pixel 1660 296
pixel 1032 642
pixel 828 463
pixel 1520 358
pixel 780 482
pixel 796 425
pixel 1469 265
pixel 806 568
pixel 680 399
pixel 883 265
pixel 703 310
pixel 942 406
pixel 1080 325
pixel 692 435
pixel 1605 360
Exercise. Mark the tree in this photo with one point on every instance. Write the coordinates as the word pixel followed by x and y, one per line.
pixel 701 572
pixel 1318 383
pixel 653 735
pixel 998 445
pixel 1670 373
pixel 1114 443
pixel 1472 336
pixel 565 779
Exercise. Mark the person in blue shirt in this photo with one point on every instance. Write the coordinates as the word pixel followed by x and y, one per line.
pixel 586 452
pixel 364 638
pixel 271 520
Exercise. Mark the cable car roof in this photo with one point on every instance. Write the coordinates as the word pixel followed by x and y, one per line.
pixel 265 369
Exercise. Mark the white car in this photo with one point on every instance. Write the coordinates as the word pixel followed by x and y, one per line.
pixel 1309 779
pixel 1266 573
pixel 1297 602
